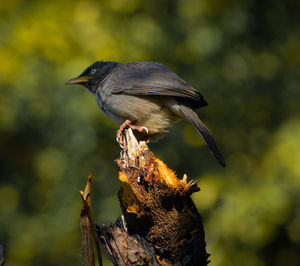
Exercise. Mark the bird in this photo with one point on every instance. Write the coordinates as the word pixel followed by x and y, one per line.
pixel 145 96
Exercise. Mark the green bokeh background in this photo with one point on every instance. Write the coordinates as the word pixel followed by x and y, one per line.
pixel 243 56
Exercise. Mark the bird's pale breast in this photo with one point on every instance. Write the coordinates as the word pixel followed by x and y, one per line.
pixel 142 111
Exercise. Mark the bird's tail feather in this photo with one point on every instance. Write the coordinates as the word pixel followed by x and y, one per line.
pixel 204 132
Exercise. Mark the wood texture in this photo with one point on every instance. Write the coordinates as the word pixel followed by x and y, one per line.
pixel 160 224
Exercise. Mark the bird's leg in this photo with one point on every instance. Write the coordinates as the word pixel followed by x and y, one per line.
pixel 125 125
pixel 128 124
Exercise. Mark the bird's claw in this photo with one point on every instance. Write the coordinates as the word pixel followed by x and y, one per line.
pixel 140 129
pixel 127 124
pixel 146 129
pixel 119 140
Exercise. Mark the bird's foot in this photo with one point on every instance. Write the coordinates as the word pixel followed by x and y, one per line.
pixel 140 129
pixel 125 125
pixel 128 124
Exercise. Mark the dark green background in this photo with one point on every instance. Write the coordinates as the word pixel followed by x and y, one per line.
pixel 244 58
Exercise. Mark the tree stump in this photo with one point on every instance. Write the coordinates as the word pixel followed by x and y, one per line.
pixel 160 224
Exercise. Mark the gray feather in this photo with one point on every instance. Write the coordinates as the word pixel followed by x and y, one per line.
pixel 151 79
pixel 204 132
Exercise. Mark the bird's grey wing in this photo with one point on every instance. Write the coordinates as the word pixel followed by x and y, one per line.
pixel 152 79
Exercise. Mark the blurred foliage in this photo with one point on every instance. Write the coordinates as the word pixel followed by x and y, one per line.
pixel 244 57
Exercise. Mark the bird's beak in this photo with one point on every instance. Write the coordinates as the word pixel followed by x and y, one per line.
pixel 79 80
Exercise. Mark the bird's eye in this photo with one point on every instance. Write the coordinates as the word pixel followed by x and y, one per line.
pixel 93 71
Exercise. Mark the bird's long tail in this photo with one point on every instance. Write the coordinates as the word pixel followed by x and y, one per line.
pixel 204 132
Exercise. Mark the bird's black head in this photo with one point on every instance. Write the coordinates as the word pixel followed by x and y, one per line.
pixel 93 75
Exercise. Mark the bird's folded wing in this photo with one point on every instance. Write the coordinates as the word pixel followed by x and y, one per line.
pixel 164 91
pixel 153 81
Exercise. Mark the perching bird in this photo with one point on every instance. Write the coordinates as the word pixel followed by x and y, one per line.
pixel 146 96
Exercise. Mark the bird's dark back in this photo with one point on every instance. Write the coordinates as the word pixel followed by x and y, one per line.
pixel 145 74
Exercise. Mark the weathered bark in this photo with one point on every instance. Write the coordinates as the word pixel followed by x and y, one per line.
pixel 160 224
pixel 89 237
